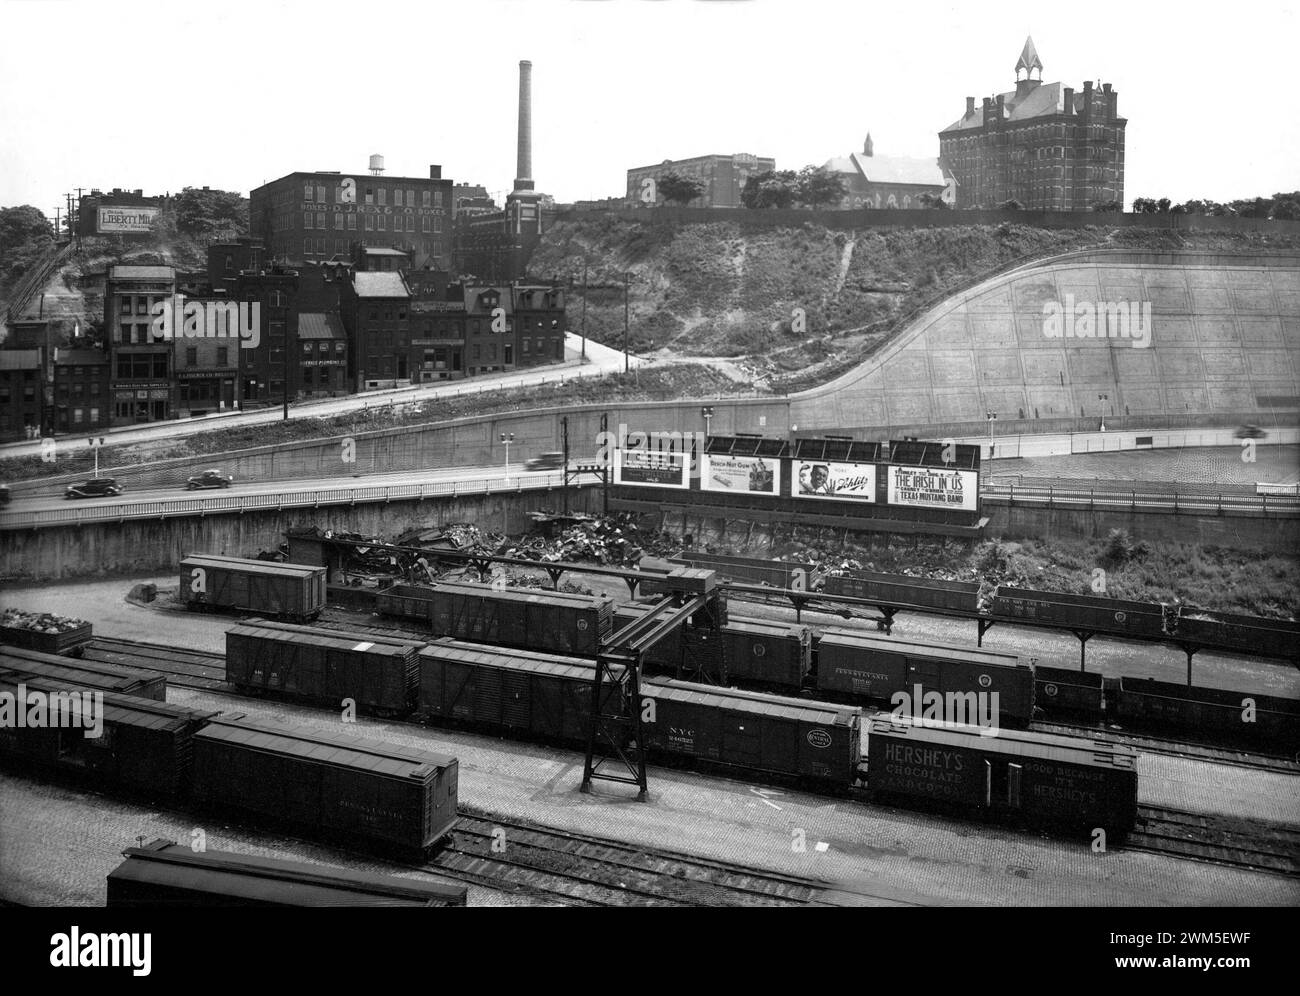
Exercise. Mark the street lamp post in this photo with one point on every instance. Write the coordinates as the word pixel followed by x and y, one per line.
pixel 992 417
pixel 1102 399
pixel 507 438
pixel 707 412
pixel 627 283
pixel 584 311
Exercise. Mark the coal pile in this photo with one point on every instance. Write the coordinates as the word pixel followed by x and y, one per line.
pixel 39 622
pixel 609 539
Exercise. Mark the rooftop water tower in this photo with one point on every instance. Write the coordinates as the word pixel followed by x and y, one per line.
pixel 376 165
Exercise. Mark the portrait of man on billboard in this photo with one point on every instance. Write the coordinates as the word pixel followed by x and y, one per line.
pixel 815 479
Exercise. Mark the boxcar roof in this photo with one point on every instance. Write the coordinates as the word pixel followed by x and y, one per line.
pixel 253 566
pixel 974 655
pixel 127 710
pixel 1048 746
pixel 293 883
pixel 502 657
pixel 74 670
pixel 755 702
pixel 342 749
pixel 750 625
pixel 543 595
pixel 327 638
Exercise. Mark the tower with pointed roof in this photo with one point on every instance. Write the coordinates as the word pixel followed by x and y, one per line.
pixel 1048 146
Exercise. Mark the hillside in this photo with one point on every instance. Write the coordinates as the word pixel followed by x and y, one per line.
pixel 721 290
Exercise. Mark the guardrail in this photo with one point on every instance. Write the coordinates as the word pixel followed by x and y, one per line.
pixel 1225 502
pixel 238 504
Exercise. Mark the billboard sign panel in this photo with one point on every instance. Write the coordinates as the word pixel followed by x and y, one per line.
pixel 741 474
pixel 126 219
pixel 933 487
pixel 651 468
pixel 838 481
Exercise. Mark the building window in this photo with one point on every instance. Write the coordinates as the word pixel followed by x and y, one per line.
pixel 320 247
pixel 410 223
pixel 424 223
pixel 306 191
pixel 383 222
pixel 340 246
pixel 191 357
pixel 437 198
pixel 320 220
pixel 94 415
pixel 126 306
pixel 474 352
pixel 437 223
pixel 306 247
pixel 320 195
pixel 306 219
pixel 410 198
pixel 425 198
pixel 383 196
pixel 525 346
pixel 338 222
pixel 223 356
pixel 352 223
pixel 370 223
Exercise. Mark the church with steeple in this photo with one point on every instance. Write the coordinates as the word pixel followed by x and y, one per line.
pixel 1048 146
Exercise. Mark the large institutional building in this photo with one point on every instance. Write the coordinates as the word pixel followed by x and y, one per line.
pixel 723 177
pixel 1048 146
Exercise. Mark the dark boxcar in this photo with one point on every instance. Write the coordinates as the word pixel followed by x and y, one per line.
pixel 754 731
pixel 1263 719
pixel 1044 779
pixel 772 653
pixel 293 591
pixel 1104 615
pixel 539 620
pixel 93 674
pixel 65 642
pixel 406 601
pixel 164 873
pixel 526 694
pixel 398 797
pixel 378 673
pixel 899 589
pixel 773 573
pixel 1058 690
pixel 142 744
pixel 878 667
pixel 351 596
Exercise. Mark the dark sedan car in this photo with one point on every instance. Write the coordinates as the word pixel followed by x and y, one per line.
pixel 547 461
pixel 5 496
pixel 1251 432
pixel 99 487
pixel 209 479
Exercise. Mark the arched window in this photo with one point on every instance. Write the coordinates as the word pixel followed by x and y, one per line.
pixel 892 202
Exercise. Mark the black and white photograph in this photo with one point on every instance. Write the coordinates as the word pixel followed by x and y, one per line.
pixel 651 453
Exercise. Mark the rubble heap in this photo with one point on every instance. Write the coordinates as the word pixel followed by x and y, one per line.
pixel 39 622
pixel 608 539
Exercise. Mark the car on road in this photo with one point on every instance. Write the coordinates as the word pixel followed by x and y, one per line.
pixel 1251 432
pixel 209 479
pixel 547 461
pixel 5 496
pixel 98 487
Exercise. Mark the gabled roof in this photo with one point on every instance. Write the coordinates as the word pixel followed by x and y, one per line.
pixel 899 169
pixel 1043 100
pixel 320 325
pixel 382 284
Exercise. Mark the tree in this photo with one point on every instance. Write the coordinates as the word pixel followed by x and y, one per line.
pixel 210 212
pixel 679 189
pixel 1286 207
pixel 933 201
pixel 818 185
pixel 1107 207
pixel 1162 205
pixel 25 233
pixel 1144 205
pixel 772 189
pixel 1011 205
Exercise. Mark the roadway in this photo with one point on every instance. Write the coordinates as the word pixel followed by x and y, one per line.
pixel 601 360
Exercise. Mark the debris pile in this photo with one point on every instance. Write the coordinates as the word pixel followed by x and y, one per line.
pixel 39 622
pixel 610 539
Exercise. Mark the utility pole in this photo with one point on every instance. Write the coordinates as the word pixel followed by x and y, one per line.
pixel 57 230
pixel 564 429
pixel 627 283
pixel 584 311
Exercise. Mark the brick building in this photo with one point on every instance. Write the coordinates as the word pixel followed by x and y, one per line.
pixel 375 309
pixel 141 366
pixel 22 400
pixel 1048 146
pixel 724 178
pixel 322 348
pixel 872 181
pixel 118 212
pixel 306 217
pixel 81 390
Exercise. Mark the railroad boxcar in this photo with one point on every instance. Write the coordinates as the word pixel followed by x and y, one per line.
pixel 1261 719
pixel 532 695
pixel 1115 616
pixel 754 731
pixel 750 570
pixel 878 667
pixel 92 674
pixel 900 589
pixel 378 673
pixel 164 873
pixel 143 744
pixel 1058 690
pixel 1036 777
pixel 405 601
pixel 770 653
pixel 400 798
pixel 291 591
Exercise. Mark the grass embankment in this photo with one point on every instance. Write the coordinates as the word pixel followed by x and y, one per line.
pixel 658 384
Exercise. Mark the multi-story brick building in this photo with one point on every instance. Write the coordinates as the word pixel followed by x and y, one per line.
pixel 1048 146
pixel 22 399
pixel 81 390
pixel 322 348
pixel 308 217
pixel 263 368
pixel 375 309
pixel 141 364
pixel 207 372
pixel 724 178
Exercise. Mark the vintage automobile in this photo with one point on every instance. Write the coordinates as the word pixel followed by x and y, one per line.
pixel 547 461
pixel 98 487
pixel 209 479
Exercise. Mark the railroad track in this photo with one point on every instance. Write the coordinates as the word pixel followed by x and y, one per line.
pixel 1271 847
pixel 1199 751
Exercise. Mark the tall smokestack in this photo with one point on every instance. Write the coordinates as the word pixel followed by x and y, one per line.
pixel 524 170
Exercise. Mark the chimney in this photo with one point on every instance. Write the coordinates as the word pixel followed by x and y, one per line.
pixel 435 172
pixel 524 167
pixel 1069 100
pixel 1002 107
pixel 970 106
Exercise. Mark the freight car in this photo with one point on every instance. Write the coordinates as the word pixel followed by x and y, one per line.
pixel 775 654
pixel 45 632
pixel 899 589
pixel 164 873
pixel 95 675
pixel 1243 634
pixel 1239 716
pixel 378 673
pixel 1117 617
pixel 291 591
pixel 1033 777
pixel 876 668
pixel 142 744
pixel 1058 690
pixel 522 617
pixel 399 798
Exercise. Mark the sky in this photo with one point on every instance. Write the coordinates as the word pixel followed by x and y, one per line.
pixel 159 96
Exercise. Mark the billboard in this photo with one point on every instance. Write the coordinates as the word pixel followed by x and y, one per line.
pixel 739 474
pixel 126 219
pixel 933 487
pixel 839 481
pixel 651 467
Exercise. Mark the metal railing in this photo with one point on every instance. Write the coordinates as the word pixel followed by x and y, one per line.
pixel 125 511
pixel 1226 501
